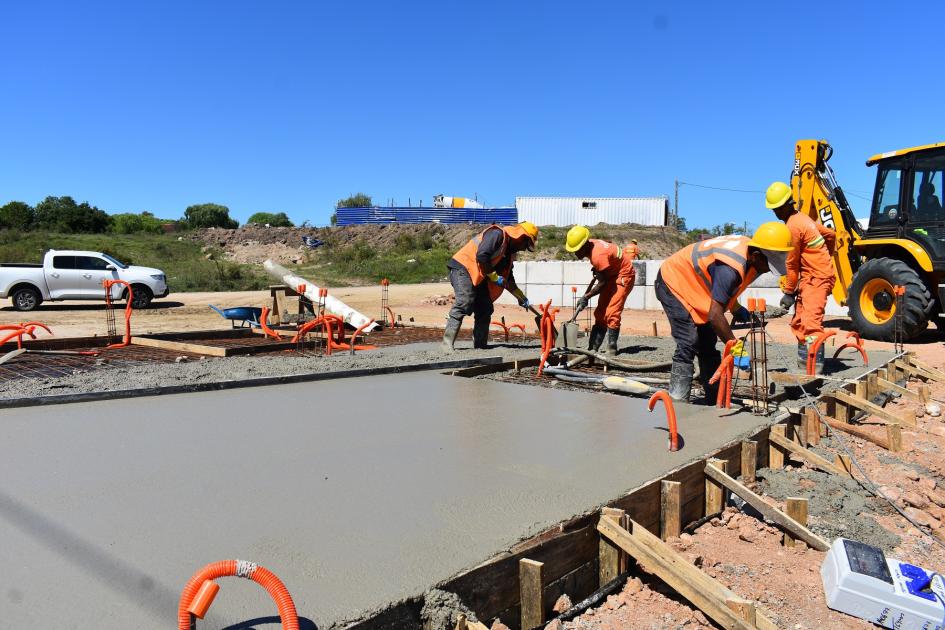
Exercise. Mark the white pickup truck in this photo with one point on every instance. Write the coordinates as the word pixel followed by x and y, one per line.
pixel 78 275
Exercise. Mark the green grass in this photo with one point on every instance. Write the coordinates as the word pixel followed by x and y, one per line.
pixel 361 263
pixel 186 266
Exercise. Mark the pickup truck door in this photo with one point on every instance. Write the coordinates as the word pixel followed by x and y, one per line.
pixel 92 271
pixel 63 279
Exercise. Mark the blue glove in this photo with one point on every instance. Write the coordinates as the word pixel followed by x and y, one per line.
pixel 495 277
pixel 500 281
pixel 742 316
pixel 525 303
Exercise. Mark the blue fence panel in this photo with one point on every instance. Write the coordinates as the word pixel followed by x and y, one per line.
pixel 357 216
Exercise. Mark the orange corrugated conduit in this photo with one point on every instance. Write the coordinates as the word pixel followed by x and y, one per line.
pixel 264 325
pixel 853 340
pixel 199 592
pixel 670 416
pixel 546 329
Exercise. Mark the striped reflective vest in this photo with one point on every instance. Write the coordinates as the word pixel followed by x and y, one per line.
pixel 686 273
pixel 466 256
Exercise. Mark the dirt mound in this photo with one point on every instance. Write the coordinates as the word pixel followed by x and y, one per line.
pixel 253 244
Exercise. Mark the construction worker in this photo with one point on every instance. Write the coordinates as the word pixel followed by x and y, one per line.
pixel 633 249
pixel 613 279
pixel 810 275
pixel 697 284
pixel 479 272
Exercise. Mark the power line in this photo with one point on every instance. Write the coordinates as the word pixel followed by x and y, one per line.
pixel 738 190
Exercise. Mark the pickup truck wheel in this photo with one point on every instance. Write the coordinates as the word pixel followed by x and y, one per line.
pixel 141 296
pixel 26 299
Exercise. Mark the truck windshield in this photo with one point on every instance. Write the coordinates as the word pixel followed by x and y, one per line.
pixel 115 262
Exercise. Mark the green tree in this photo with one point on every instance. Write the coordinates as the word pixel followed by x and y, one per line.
pixel 130 223
pixel 205 215
pixel 63 214
pixel 17 215
pixel 268 218
pixel 357 200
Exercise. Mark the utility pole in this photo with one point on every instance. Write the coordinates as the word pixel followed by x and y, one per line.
pixel 675 203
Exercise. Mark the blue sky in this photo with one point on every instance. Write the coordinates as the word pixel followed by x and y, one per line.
pixel 290 106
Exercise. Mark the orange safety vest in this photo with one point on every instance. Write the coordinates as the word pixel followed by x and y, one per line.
pixel 686 272
pixel 466 256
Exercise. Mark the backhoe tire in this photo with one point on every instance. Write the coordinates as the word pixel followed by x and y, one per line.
pixel 872 300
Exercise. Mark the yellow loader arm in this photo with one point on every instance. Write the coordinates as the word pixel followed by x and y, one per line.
pixel 817 194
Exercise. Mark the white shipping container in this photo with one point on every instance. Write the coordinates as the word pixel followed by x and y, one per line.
pixel 567 211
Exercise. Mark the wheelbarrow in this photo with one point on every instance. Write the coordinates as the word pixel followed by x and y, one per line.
pixel 247 316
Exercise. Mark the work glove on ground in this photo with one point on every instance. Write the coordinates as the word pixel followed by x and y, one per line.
pixel 787 301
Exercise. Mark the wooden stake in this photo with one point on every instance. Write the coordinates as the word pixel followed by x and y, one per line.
pixel 715 498
pixel 894 436
pixel 768 511
pixel 872 389
pixel 655 333
pixel 812 426
pixel 749 460
pixel 843 462
pixel 608 554
pixel 670 520
pixel 775 454
pixel 531 585
pixel 860 390
pixel 925 394
pixel 796 508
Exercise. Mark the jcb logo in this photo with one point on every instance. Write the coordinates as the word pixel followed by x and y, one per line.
pixel 797 166
pixel 826 217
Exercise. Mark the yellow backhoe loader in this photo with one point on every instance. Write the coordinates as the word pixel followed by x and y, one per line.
pixel 904 244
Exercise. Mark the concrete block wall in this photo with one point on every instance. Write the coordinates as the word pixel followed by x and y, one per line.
pixel 553 279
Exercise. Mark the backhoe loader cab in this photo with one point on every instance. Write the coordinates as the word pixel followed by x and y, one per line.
pixel 903 245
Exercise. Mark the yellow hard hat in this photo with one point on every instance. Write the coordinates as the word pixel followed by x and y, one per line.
pixel 576 238
pixel 773 236
pixel 777 195
pixel 530 229
pixel 633 240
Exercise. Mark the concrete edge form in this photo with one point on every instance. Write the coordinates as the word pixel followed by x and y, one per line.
pixel 62 399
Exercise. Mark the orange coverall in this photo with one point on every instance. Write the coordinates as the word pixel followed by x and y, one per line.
pixel 615 268
pixel 810 273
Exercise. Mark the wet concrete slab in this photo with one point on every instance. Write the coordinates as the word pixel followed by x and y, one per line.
pixel 356 492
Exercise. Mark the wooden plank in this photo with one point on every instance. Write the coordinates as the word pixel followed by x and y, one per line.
pixel 275 346
pixel 531 586
pixel 715 498
pixel 768 511
pixel 745 609
pixel 179 346
pixel 911 370
pixel 894 437
pixel 857 431
pixel 608 555
pixel 812 426
pixel 670 524
pixel 661 560
pixel 889 386
pixel 925 393
pixel 874 410
pixel 936 373
pixel 775 454
pixel 463 623
pixel 809 456
pixel 749 460
pixel 796 508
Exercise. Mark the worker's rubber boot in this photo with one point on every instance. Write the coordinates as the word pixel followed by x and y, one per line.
pixel 481 333
pixel 802 355
pixel 449 335
pixel 596 338
pixel 707 367
pixel 613 334
pixel 680 381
